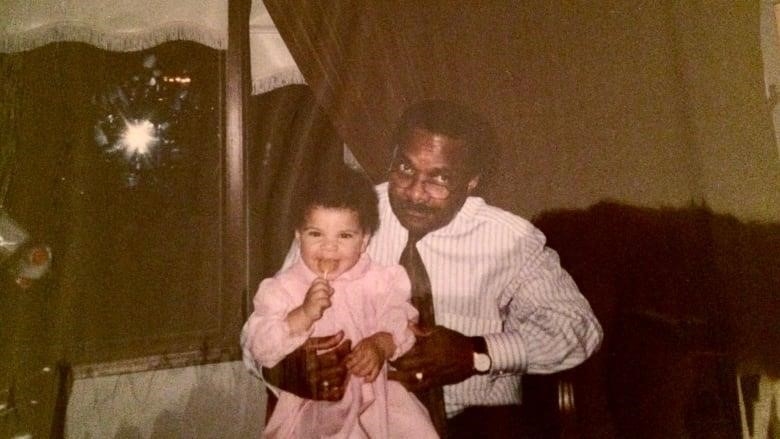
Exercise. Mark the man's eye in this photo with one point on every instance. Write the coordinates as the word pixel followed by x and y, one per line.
pixel 404 168
pixel 314 233
pixel 346 236
pixel 441 180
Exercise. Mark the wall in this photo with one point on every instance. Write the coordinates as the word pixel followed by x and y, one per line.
pixel 730 118
pixel 653 104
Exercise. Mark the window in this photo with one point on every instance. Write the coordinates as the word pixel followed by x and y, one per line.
pixel 117 166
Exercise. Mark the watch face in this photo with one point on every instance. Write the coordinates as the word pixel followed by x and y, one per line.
pixel 481 362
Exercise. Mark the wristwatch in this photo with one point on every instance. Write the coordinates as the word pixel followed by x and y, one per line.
pixel 482 361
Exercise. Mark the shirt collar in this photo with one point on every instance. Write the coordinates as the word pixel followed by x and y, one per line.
pixel 464 220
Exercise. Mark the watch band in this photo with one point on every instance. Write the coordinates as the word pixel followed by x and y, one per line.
pixel 479 345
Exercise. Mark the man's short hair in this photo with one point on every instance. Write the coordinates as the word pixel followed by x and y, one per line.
pixel 452 120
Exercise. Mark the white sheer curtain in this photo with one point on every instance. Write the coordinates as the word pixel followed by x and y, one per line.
pixel 116 25
pixel 119 25
pixel 272 65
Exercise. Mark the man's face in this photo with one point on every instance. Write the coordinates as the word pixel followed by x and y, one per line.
pixel 429 181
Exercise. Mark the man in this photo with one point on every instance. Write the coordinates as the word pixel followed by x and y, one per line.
pixel 503 306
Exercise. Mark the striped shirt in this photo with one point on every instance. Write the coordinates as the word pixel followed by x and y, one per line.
pixel 492 276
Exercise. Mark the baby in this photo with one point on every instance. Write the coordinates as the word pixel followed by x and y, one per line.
pixel 335 286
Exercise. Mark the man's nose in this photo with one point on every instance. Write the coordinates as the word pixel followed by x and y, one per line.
pixel 416 191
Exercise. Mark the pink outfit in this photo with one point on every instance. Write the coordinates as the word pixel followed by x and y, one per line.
pixel 369 298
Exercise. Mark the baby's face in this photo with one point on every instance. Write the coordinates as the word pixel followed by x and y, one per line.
pixel 331 240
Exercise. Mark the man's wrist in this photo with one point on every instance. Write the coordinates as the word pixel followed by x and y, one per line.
pixel 288 375
pixel 482 361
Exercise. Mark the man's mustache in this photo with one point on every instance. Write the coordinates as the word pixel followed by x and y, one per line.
pixel 417 208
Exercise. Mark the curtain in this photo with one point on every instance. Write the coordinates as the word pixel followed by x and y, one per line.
pixel 609 100
pixel 294 143
pixel 114 25
pixel 123 26
pixel 271 63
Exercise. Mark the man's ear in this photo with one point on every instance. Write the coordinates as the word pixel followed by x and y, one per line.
pixel 366 240
pixel 473 183
pixel 297 235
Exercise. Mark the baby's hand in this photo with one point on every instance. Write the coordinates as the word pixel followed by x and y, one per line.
pixel 368 357
pixel 317 299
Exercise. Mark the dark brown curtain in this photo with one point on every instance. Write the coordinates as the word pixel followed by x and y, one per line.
pixel 590 100
pixel 292 143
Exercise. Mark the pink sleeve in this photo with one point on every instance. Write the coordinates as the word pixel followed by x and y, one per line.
pixel 397 311
pixel 266 334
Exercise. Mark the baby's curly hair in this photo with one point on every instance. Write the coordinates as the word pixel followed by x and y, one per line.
pixel 344 188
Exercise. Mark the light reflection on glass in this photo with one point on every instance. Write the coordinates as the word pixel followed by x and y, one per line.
pixel 142 121
pixel 138 138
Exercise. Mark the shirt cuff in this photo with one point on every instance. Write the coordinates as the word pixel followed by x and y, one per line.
pixel 507 353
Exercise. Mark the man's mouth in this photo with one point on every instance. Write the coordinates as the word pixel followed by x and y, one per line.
pixel 416 213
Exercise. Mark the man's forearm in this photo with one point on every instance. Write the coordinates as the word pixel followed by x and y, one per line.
pixel 550 326
pixel 273 376
pixel 290 375
pixel 547 343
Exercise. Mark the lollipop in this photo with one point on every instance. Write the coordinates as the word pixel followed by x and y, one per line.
pixel 325 266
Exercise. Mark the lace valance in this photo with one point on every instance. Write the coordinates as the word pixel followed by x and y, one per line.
pixel 115 25
pixel 122 26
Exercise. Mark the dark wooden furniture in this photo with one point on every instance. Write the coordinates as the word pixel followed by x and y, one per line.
pixel 679 293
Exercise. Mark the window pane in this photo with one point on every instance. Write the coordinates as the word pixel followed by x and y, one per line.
pixel 117 161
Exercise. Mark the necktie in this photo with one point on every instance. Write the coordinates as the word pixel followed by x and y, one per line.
pixel 422 299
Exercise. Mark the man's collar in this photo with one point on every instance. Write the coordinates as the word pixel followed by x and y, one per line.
pixel 463 221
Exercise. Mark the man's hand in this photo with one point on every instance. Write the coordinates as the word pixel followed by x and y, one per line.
pixel 440 356
pixel 312 375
